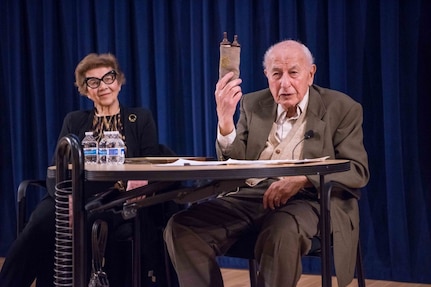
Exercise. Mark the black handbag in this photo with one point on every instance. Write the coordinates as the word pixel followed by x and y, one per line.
pixel 99 234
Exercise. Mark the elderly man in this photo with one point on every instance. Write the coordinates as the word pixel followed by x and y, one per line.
pixel 284 211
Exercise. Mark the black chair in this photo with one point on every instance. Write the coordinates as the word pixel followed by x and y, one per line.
pixel 244 248
pixel 130 232
pixel 106 204
pixel 22 200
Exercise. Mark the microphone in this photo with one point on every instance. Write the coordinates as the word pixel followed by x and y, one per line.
pixel 308 135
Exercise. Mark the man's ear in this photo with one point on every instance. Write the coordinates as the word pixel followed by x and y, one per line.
pixel 313 70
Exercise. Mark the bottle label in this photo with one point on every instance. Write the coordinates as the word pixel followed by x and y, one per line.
pixel 90 151
pixel 114 151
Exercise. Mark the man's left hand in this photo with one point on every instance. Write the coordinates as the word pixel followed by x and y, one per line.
pixel 280 191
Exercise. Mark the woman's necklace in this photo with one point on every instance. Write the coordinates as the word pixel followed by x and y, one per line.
pixel 107 123
pixel 102 123
pixel 107 119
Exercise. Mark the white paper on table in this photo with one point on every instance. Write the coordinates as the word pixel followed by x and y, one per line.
pixel 186 162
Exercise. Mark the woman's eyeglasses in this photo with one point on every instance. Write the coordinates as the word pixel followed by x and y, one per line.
pixel 108 79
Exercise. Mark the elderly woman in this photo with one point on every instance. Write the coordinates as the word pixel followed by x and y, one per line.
pixel 31 256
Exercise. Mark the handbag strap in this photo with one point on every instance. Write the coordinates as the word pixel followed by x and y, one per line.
pixel 99 236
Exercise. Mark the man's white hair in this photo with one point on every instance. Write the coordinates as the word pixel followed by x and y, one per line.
pixel 270 49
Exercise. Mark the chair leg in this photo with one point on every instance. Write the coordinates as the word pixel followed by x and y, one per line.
pixel 167 265
pixel 325 230
pixel 252 267
pixel 136 256
pixel 359 267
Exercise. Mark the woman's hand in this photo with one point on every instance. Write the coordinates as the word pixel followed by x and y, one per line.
pixel 132 184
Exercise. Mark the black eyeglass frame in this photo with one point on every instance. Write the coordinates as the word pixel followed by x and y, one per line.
pixel 107 80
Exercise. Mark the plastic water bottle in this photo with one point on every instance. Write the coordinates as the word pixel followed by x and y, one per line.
pixel 115 150
pixel 102 149
pixel 90 147
pixel 121 149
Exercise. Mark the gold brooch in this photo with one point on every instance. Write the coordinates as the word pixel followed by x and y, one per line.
pixel 132 118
